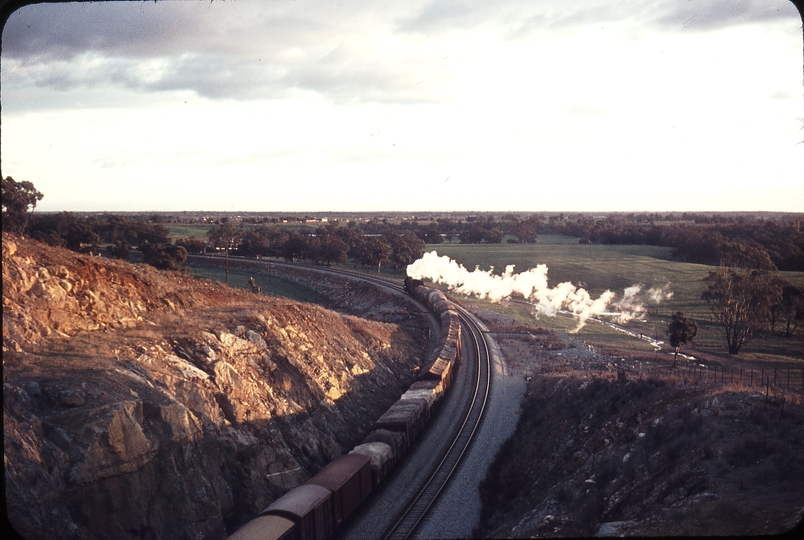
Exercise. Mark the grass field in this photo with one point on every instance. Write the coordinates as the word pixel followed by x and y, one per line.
pixel 179 230
pixel 184 231
pixel 271 285
pixel 601 267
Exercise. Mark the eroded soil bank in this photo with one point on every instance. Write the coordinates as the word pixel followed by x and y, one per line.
pixel 145 404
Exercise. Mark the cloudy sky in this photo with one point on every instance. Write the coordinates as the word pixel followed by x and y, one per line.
pixel 300 105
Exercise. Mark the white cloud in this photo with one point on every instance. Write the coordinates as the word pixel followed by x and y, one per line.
pixel 534 105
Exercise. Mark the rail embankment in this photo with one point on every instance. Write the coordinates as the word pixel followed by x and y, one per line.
pixel 621 444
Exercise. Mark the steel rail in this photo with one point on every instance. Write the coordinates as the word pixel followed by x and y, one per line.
pixel 419 506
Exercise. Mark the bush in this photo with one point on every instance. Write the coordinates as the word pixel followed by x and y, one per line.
pixel 166 257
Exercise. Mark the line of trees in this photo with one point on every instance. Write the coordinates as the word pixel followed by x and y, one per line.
pixel 327 245
pixel 745 294
pixel 696 238
pixel 120 234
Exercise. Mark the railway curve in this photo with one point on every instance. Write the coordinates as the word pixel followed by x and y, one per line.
pixel 417 509
pixel 466 413
pixel 405 499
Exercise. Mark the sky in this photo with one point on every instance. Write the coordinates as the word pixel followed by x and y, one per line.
pixel 433 105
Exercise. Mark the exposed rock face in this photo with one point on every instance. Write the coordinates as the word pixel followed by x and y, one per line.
pixel 141 404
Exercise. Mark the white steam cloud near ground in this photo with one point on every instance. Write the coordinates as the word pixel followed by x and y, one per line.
pixel 532 285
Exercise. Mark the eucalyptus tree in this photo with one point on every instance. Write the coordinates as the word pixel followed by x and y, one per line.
pixel 682 331
pixel 18 202
pixel 739 300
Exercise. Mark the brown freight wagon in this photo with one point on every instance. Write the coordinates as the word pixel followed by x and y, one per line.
pixel 396 440
pixel 267 528
pixel 310 508
pixel 382 459
pixel 349 480
pixel 407 416
pixel 434 386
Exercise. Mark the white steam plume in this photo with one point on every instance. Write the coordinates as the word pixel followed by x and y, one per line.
pixel 532 285
pixel 632 304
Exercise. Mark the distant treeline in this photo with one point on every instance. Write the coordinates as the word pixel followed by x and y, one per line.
pixel 765 242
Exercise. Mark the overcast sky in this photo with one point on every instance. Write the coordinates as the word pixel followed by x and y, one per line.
pixel 420 105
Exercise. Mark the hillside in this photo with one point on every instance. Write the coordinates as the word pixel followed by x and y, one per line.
pixel 145 404
pixel 620 444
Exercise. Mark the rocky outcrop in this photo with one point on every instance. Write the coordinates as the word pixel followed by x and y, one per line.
pixel 142 404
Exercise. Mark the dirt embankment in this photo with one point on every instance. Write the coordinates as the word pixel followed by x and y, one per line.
pixel 604 448
pixel 144 404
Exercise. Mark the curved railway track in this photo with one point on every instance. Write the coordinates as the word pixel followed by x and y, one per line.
pixel 417 508
pixel 468 417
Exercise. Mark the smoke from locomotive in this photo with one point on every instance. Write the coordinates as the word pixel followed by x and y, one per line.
pixel 532 285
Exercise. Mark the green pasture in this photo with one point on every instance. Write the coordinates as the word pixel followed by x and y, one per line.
pixel 598 268
pixel 188 230
pixel 271 285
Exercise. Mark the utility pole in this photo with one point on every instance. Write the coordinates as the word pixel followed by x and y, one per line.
pixel 227 260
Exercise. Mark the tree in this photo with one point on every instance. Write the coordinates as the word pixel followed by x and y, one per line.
pixel 166 257
pixel 792 308
pixel 120 250
pixel 742 255
pixel 192 244
pixel 682 331
pixel 225 235
pixel 405 249
pixel 115 229
pixel 332 249
pixel 294 246
pixel 18 202
pixel 430 234
pixel 473 234
pixel 256 242
pixel 739 300
pixel 51 228
pixel 525 232
pixel 493 235
pixel 375 252
pixel 79 234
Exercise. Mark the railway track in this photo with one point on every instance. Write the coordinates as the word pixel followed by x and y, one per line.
pixel 417 509
pixel 471 406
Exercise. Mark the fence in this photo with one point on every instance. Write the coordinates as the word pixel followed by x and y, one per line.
pixel 770 381
pixel 782 378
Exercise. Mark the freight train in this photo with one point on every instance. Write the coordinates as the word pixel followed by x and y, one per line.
pixel 315 509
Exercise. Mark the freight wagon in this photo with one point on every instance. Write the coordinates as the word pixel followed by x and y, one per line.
pixel 315 509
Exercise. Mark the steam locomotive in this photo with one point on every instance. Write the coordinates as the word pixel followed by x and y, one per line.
pixel 315 509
